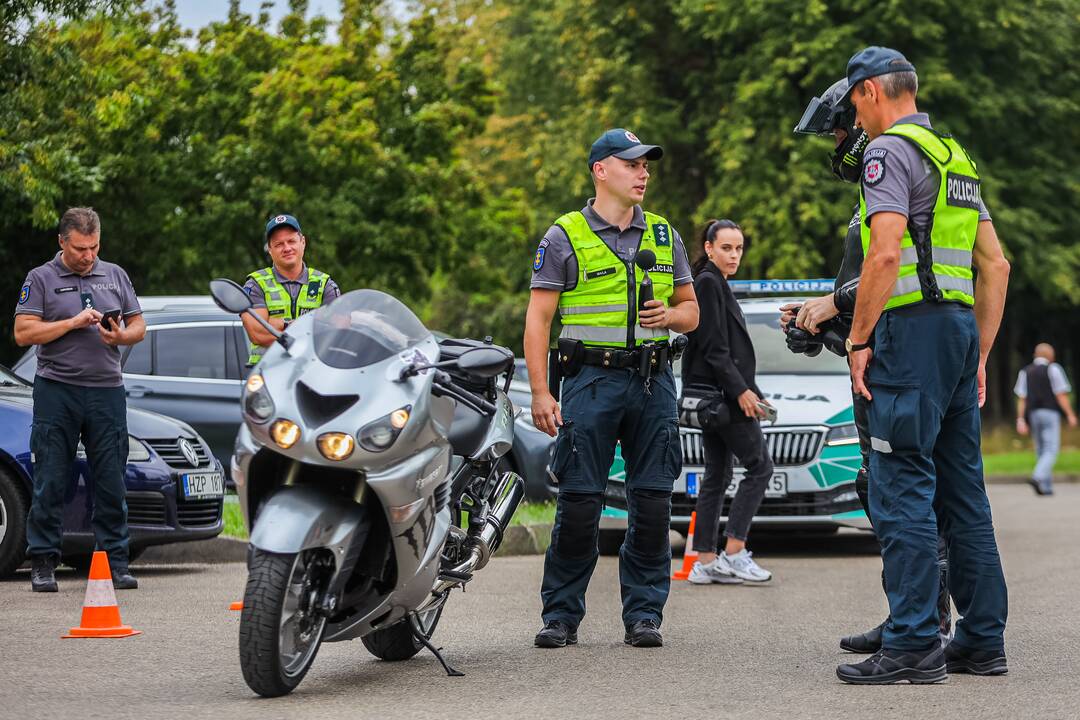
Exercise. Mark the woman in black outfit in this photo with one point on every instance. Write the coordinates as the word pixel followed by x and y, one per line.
pixel 719 354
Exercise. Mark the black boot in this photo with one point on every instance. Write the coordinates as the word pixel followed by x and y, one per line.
pixel 975 662
pixel 122 579
pixel 886 667
pixel 556 634
pixel 644 633
pixel 43 573
pixel 868 642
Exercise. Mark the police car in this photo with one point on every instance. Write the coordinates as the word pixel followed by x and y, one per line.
pixel 814 444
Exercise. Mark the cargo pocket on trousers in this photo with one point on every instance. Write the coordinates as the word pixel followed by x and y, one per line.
pixel 896 420
pixel 673 451
pixel 41 437
pixel 564 460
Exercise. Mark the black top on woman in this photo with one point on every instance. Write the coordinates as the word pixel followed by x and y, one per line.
pixel 719 352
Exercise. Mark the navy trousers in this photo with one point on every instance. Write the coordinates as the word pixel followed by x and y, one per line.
pixel 602 407
pixel 63 413
pixel 926 465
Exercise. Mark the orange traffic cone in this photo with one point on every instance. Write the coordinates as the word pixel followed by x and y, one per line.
pixel 689 555
pixel 101 615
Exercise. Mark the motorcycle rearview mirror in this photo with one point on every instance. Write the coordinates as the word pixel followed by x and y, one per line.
pixel 231 298
pixel 484 361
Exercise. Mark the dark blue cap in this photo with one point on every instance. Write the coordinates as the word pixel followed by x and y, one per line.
pixel 277 221
pixel 874 61
pixel 624 145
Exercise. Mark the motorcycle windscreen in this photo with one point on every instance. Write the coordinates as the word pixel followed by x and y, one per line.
pixel 364 327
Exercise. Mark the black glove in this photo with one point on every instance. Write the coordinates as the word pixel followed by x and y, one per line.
pixel 801 341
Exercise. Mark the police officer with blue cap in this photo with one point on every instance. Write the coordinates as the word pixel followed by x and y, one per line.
pixel 827 320
pixel 285 290
pixel 923 328
pixel 620 280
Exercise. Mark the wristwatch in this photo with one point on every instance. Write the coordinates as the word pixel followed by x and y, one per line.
pixel 855 347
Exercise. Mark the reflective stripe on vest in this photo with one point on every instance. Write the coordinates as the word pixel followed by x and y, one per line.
pixel 954 224
pixel 279 304
pixel 601 309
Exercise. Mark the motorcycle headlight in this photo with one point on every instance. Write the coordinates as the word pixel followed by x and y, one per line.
pixel 842 435
pixel 137 452
pixel 258 405
pixel 335 445
pixel 380 434
pixel 285 433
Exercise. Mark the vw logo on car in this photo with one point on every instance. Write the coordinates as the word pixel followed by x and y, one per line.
pixel 188 451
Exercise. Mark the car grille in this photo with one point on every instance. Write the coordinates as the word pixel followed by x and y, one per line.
pixel 169 450
pixel 787 446
pixel 198 513
pixel 792 505
pixel 146 508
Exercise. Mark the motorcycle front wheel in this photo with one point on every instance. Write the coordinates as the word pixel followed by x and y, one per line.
pixel 281 627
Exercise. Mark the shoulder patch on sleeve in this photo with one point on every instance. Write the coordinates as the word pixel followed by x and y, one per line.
pixel 541 254
pixel 24 294
pixel 874 166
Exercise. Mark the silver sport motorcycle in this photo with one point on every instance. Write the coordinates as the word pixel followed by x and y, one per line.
pixel 368 472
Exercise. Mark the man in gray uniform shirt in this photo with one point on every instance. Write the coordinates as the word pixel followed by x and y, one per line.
pixel 617 388
pixel 79 310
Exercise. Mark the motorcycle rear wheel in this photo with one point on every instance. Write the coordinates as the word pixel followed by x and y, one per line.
pixel 280 628
pixel 397 643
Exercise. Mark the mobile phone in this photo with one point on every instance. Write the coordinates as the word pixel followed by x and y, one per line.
pixel 113 316
pixel 769 410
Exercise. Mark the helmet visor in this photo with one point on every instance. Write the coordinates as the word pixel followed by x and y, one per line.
pixel 821 118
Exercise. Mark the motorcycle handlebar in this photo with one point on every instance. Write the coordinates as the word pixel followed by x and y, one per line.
pixel 445 385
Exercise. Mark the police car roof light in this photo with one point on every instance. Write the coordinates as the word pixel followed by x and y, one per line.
pixel 772 287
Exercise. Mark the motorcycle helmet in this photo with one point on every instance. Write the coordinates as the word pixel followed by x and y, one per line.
pixel 832 112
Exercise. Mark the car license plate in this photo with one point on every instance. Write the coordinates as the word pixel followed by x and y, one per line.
pixel 777 486
pixel 202 485
pixel 692 484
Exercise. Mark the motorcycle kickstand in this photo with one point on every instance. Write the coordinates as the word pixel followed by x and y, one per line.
pixel 414 625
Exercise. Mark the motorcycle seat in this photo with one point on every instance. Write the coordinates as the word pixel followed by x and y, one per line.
pixel 467 431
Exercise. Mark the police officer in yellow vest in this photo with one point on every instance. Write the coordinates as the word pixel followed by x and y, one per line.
pixel 287 289
pixel 922 331
pixel 618 386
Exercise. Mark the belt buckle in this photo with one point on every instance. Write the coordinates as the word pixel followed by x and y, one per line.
pixel 607 358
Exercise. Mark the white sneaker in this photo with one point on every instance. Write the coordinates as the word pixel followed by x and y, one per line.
pixel 742 565
pixel 711 573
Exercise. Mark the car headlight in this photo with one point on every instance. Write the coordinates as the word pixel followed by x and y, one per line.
pixel 380 434
pixel 137 452
pixel 285 433
pixel 336 445
pixel 258 405
pixel 845 434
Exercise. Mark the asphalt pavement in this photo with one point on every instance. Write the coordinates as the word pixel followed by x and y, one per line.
pixel 730 652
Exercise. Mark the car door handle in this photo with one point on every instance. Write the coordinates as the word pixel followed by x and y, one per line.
pixel 138 391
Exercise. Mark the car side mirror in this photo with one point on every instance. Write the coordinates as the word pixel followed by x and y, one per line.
pixel 485 361
pixel 229 296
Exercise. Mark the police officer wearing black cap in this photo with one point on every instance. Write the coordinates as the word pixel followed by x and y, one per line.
pixel 285 290
pixel 923 328
pixel 79 310
pixel 598 267
pixel 826 321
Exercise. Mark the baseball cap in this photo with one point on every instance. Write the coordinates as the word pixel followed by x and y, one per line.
pixel 624 145
pixel 874 61
pixel 277 221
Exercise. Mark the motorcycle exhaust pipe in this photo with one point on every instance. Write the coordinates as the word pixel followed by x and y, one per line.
pixel 505 500
pixel 483 544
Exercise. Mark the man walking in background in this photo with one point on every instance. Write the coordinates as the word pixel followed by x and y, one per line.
pixel 1043 392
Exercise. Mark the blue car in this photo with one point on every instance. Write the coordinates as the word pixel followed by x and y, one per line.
pixel 175 486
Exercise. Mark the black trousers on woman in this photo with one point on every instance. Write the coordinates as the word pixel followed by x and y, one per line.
pixel 744 441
